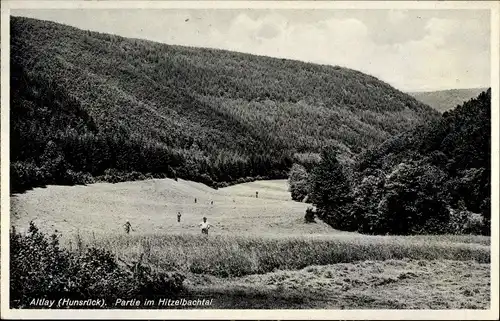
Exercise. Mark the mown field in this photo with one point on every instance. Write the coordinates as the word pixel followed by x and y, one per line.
pixel 152 206
pixel 390 284
pixel 260 253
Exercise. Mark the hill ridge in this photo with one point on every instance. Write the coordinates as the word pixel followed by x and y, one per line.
pixel 87 100
pixel 447 99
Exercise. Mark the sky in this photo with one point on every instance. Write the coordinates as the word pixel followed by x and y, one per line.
pixel 413 50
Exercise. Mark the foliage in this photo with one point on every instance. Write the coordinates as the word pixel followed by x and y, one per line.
pixel 310 215
pixel 466 222
pixel 89 102
pixel 40 268
pixel 330 191
pixel 433 179
pixel 412 202
pixel 298 182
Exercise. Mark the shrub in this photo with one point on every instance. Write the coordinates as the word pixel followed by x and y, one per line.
pixel 474 223
pixel 41 269
pixel 206 179
pixel 24 175
pixel 457 222
pixel 486 212
pixel 112 175
pixel 309 217
pixel 134 176
pixel 221 185
pixel 73 178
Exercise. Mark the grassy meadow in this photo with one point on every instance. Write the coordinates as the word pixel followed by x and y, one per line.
pixel 260 252
pixel 243 255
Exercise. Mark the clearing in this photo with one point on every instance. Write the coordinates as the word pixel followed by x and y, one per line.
pixel 260 253
pixel 152 206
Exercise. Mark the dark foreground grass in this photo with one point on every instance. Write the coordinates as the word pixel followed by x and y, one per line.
pixel 227 256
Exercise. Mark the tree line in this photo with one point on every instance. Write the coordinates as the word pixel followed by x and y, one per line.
pixel 434 179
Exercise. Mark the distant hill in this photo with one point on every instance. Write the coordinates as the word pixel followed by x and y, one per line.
pixel 87 104
pixel 444 100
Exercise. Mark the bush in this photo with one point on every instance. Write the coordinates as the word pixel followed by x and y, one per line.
pixel 222 184
pixel 112 175
pixel 475 224
pixel 310 214
pixel 486 213
pixel 41 269
pixel 206 179
pixel 75 178
pixel 134 176
pixel 24 175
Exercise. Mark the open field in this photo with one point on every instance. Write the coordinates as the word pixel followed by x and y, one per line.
pixel 242 255
pixel 152 206
pixel 260 253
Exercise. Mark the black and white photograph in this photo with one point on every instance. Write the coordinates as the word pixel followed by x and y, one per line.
pixel 245 158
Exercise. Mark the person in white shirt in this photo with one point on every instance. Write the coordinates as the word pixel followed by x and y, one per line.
pixel 204 226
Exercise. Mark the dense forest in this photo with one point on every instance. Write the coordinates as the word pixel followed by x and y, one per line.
pixel 433 179
pixel 89 106
pixel 445 100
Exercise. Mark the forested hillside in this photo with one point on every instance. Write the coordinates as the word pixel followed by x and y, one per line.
pixel 434 179
pixel 444 100
pixel 88 105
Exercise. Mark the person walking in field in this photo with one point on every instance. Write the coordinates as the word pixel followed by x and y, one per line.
pixel 256 194
pixel 128 227
pixel 195 200
pixel 204 226
pixel 212 203
pixel 179 217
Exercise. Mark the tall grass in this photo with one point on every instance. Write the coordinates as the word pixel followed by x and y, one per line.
pixel 227 256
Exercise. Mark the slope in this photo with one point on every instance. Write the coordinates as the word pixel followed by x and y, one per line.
pixel 444 100
pixel 87 104
pixel 151 206
pixel 433 179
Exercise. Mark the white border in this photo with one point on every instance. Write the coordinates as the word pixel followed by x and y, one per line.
pixel 223 4
pixel 247 314
pixel 5 147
